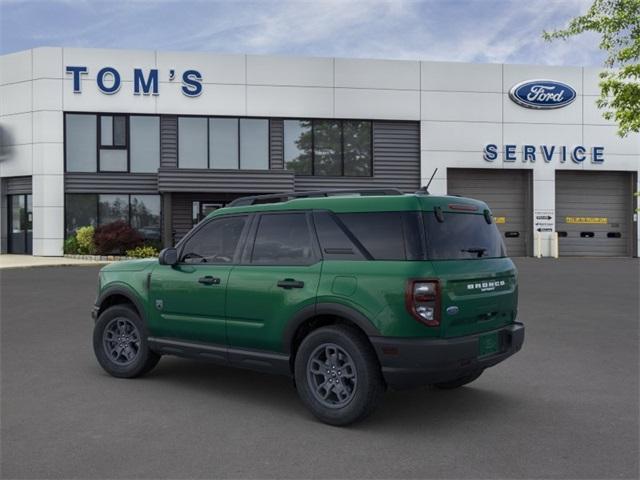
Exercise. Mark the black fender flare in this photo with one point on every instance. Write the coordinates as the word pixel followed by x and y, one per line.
pixel 125 292
pixel 335 309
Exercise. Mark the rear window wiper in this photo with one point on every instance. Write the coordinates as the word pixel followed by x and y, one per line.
pixel 479 250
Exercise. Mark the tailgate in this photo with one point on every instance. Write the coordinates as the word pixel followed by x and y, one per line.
pixel 476 295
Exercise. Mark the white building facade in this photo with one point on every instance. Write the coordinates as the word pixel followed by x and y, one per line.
pixel 159 139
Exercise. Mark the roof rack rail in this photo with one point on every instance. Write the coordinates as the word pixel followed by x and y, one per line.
pixel 283 197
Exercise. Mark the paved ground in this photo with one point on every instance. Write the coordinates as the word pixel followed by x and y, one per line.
pixel 565 407
pixel 24 261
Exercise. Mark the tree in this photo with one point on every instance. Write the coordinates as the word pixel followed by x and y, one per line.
pixel 618 23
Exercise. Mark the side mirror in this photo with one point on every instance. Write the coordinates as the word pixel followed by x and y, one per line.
pixel 168 256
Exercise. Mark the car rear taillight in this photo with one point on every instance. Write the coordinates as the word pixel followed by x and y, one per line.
pixel 422 298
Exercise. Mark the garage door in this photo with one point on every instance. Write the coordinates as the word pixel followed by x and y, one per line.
pixel 508 194
pixel 594 213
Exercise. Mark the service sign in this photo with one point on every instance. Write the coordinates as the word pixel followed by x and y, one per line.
pixel 542 94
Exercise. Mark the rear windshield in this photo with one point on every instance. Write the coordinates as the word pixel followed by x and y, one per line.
pixel 462 236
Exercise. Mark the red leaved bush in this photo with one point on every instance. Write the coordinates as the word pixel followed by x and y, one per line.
pixel 116 238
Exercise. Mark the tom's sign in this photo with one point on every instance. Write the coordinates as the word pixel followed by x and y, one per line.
pixel 109 80
pixel 542 94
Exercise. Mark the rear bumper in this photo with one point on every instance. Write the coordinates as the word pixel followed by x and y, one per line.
pixel 410 363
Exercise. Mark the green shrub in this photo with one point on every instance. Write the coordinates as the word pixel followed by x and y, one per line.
pixel 145 251
pixel 84 236
pixel 71 245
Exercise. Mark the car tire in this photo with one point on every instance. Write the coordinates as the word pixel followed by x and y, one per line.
pixel 459 382
pixel 120 343
pixel 337 375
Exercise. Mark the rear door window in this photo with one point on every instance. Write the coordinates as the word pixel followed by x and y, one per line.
pixel 462 236
pixel 283 239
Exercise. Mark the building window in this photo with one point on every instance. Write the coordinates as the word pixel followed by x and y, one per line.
pixel 81 210
pixel 192 142
pixel 80 142
pixel 328 147
pixel 112 143
pixel 254 144
pixel 297 146
pixel 223 143
pixel 142 212
pixel 145 143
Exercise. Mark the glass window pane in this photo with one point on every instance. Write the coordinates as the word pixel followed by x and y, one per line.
pixel 357 148
pixel 327 148
pixel 106 131
pixel 379 232
pixel 145 216
pixel 334 242
pixel 254 144
pixel 120 131
pixel 215 242
pixel 17 213
pixel 462 236
pixel 112 208
pixel 282 239
pixel 223 138
pixel 80 142
pixel 145 143
pixel 192 142
pixel 113 160
pixel 297 146
pixel 195 212
pixel 81 210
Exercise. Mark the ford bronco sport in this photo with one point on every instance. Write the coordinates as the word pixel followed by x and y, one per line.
pixel 347 293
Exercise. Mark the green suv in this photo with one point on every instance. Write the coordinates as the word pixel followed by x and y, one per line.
pixel 349 293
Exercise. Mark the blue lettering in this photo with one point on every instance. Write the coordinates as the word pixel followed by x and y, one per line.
pixel 547 153
pixel 108 71
pixel 597 154
pixel 149 86
pixel 191 83
pixel 509 153
pixel 490 152
pixel 563 154
pixel 529 153
pixel 578 154
pixel 76 71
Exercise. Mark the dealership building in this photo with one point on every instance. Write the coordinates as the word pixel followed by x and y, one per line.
pixel 159 139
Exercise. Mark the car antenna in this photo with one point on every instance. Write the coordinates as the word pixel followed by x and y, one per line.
pixel 425 190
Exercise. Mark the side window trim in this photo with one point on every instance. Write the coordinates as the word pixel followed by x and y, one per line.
pixel 236 256
pixel 247 253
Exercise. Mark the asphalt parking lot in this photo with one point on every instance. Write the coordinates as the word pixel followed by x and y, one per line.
pixel 565 407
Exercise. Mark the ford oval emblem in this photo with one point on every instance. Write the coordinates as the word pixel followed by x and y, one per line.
pixel 542 94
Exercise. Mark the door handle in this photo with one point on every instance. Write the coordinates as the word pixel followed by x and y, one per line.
pixel 209 280
pixel 289 283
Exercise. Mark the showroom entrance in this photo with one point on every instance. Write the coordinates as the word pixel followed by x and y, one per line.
pixel 509 195
pixel 594 213
pixel 20 238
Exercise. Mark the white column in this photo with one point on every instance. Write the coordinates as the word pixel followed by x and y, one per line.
pixel 544 204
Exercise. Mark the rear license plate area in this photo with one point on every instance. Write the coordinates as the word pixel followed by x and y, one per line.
pixel 488 344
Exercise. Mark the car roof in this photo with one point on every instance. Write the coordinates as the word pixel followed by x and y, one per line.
pixel 360 204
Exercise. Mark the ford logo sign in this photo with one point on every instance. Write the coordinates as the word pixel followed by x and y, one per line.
pixel 542 94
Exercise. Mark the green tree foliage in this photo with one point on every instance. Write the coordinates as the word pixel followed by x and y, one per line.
pixel 618 23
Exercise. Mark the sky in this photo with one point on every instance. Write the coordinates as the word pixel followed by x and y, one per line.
pixel 481 31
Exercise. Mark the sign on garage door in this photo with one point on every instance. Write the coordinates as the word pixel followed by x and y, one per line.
pixel 507 192
pixel 594 213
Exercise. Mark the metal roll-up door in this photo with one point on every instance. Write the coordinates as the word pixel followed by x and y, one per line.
pixel 508 194
pixel 594 213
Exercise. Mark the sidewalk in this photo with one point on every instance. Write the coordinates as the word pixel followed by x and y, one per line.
pixel 25 261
